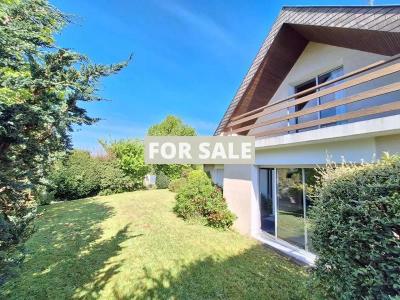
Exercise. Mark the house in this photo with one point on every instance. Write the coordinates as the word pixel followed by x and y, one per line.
pixel 323 86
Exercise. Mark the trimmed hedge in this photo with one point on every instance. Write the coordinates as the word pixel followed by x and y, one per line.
pixel 82 175
pixel 199 199
pixel 162 181
pixel 113 179
pixel 77 177
pixel 356 236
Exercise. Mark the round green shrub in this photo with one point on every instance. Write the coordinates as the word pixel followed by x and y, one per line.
pixel 162 181
pixel 199 199
pixel 176 184
pixel 356 231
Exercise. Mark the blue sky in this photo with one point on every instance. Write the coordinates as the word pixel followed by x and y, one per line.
pixel 189 58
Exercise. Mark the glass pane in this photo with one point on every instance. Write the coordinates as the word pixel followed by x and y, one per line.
pixel 311 177
pixel 309 117
pixel 266 201
pixel 290 206
pixel 331 97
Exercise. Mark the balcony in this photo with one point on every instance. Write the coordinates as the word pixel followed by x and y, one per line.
pixel 367 93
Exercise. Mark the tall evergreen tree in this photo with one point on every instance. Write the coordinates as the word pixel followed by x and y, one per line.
pixel 41 86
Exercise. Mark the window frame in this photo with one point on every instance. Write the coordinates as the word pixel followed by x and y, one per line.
pixel 316 80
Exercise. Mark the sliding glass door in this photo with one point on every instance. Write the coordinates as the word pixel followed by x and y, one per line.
pixel 291 206
pixel 285 202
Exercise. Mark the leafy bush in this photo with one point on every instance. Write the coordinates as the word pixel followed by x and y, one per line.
pixel 176 184
pixel 130 157
pixel 162 181
pixel 77 177
pixel 200 199
pixel 112 179
pixel 356 235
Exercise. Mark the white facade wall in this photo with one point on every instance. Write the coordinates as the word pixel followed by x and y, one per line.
pixel 216 173
pixel 240 191
pixel 318 154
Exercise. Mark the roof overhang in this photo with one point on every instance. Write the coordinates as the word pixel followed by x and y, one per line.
pixel 373 29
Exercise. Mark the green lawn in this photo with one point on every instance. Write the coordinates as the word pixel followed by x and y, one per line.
pixel 132 246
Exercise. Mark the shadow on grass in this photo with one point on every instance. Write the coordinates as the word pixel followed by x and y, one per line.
pixel 67 254
pixel 254 274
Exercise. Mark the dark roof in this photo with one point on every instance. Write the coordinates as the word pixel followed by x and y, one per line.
pixel 345 6
pixel 369 28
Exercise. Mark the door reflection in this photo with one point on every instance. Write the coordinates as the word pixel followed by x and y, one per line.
pixel 267 211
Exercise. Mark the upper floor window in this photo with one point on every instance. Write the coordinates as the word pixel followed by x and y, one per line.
pixel 320 79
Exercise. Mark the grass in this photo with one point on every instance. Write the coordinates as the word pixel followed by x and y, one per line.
pixel 132 246
pixel 291 227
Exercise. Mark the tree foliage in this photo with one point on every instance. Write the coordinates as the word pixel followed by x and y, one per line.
pixel 356 232
pixel 130 156
pixel 171 126
pixel 41 86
